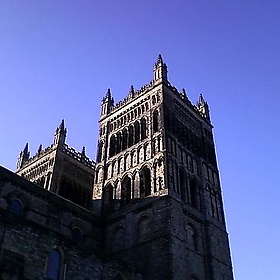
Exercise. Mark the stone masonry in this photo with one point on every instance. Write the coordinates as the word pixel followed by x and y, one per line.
pixel 150 207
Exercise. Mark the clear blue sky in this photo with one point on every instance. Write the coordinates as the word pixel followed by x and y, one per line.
pixel 58 57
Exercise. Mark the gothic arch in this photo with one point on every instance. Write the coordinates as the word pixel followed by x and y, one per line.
pixel 108 197
pixel 113 142
pixel 155 121
pixel 119 142
pixel 145 182
pixel 124 139
pixel 143 125
pixel 99 151
pixel 126 187
pixel 137 132
pixel 130 136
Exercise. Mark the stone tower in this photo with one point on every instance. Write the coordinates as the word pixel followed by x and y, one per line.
pixel 60 169
pixel 158 183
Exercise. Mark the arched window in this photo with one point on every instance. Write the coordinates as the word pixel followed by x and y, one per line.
pixel 155 121
pixel 124 140
pixel 99 152
pixel 137 132
pixel 112 150
pixel 126 191
pixel 119 142
pixel 77 234
pixel 54 265
pixel 108 197
pixel 130 136
pixel 16 207
pixel 143 128
pixel 145 182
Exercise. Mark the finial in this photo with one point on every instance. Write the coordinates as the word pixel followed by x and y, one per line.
pixel 184 91
pixel 25 150
pixel 23 156
pixel 108 94
pixel 159 60
pixel 62 125
pixel 84 151
pixel 131 91
pixel 39 149
pixel 201 99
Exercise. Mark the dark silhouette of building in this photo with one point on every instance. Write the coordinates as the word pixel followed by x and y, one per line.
pixel 150 207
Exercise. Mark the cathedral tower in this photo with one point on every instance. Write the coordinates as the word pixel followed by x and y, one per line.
pixel 158 183
pixel 60 169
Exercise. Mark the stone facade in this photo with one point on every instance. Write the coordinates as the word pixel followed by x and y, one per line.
pixel 60 169
pixel 157 176
pixel 156 210
pixel 36 222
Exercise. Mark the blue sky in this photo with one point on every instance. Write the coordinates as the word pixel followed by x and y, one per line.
pixel 58 57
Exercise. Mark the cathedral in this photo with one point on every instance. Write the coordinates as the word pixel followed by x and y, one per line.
pixel 149 207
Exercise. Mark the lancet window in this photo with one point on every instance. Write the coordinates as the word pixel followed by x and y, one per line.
pixel 128 137
pixel 126 191
pixel 145 182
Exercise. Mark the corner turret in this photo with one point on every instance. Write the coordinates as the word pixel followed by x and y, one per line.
pixel 107 103
pixel 203 107
pixel 23 156
pixel 60 134
pixel 160 70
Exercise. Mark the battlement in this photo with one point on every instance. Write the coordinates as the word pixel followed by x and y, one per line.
pixel 133 94
pixel 39 154
pixel 80 156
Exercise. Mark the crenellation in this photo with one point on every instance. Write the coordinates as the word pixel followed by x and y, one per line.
pixel 78 156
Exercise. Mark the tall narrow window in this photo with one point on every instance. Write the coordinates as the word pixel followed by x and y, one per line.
pixel 155 121
pixel 99 152
pixel 130 136
pixel 126 191
pixel 143 129
pixel 145 182
pixel 125 140
pixel 119 142
pixel 112 151
pixel 108 197
pixel 137 132
pixel 53 265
